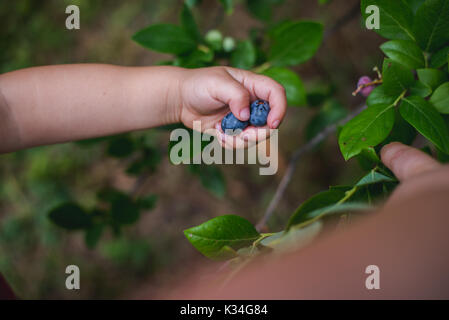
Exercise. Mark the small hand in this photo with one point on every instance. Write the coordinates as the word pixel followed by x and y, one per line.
pixel 209 94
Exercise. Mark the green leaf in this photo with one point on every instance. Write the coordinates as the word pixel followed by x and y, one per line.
pixel 198 58
pixel 440 98
pixel 189 24
pixel 431 77
pixel 380 96
pixel 166 38
pixel 319 94
pixel 420 89
pixel 295 43
pixel 396 78
pixel 405 52
pixel 294 239
pixel 211 178
pixel 415 4
pixel 423 116
pixel 123 210
pixel 211 237
pixel 186 151
pixel 442 157
pixel 148 202
pixel 70 216
pixel 368 158
pixel 402 131
pixel 147 162
pixel 396 18
pixel 93 235
pixel 372 193
pixel 431 25
pixel 244 55
pixel 374 177
pixel 331 113
pixel 440 58
pixel 278 28
pixel 228 6
pixel 338 208
pixel 368 129
pixel 262 9
pixel 131 254
pixel 294 88
pixel 120 146
pixel 318 201
pixel 192 3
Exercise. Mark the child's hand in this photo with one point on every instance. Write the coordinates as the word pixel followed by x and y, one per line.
pixel 54 104
pixel 209 94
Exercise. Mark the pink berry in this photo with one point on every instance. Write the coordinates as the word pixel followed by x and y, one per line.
pixel 367 90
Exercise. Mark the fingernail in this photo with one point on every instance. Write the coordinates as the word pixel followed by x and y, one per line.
pixel 244 114
pixel 274 124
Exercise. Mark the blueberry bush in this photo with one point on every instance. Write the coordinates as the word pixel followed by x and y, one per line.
pixel 407 101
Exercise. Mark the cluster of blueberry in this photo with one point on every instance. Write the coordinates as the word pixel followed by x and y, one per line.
pixel 258 118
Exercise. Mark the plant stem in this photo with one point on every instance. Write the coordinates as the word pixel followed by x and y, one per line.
pixel 363 86
pixel 395 103
pixel 262 67
pixel 348 194
pixel 293 161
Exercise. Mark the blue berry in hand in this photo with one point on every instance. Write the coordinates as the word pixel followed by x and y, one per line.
pixel 259 113
pixel 230 122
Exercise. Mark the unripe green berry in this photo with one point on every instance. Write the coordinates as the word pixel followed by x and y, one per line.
pixel 228 44
pixel 214 38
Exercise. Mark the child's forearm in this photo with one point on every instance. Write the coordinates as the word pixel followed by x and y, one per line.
pixel 53 104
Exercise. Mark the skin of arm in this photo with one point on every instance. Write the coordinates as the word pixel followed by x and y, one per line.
pixel 54 104
pixel 407 239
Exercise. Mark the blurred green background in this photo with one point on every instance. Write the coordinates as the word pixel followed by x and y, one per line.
pixel 153 252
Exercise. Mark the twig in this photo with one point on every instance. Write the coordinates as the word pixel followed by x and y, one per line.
pixel 369 84
pixel 351 14
pixel 293 161
pixel 140 181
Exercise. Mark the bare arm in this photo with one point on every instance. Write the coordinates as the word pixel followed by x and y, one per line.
pixel 46 105
pixel 408 240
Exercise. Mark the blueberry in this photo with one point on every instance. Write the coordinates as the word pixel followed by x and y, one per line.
pixel 230 122
pixel 259 113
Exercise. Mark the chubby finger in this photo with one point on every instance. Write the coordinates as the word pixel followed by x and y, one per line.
pixel 232 93
pixel 242 140
pixel 407 162
pixel 265 88
pixel 256 134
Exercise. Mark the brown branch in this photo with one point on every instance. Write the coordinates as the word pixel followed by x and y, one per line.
pixel 363 86
pixel 320 137
pixel 351 14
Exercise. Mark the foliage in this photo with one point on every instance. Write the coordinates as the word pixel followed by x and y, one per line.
pixel 289 43
pixel 411 99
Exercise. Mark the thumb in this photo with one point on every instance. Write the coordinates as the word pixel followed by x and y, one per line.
pixel 232 93
pixel 407 162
